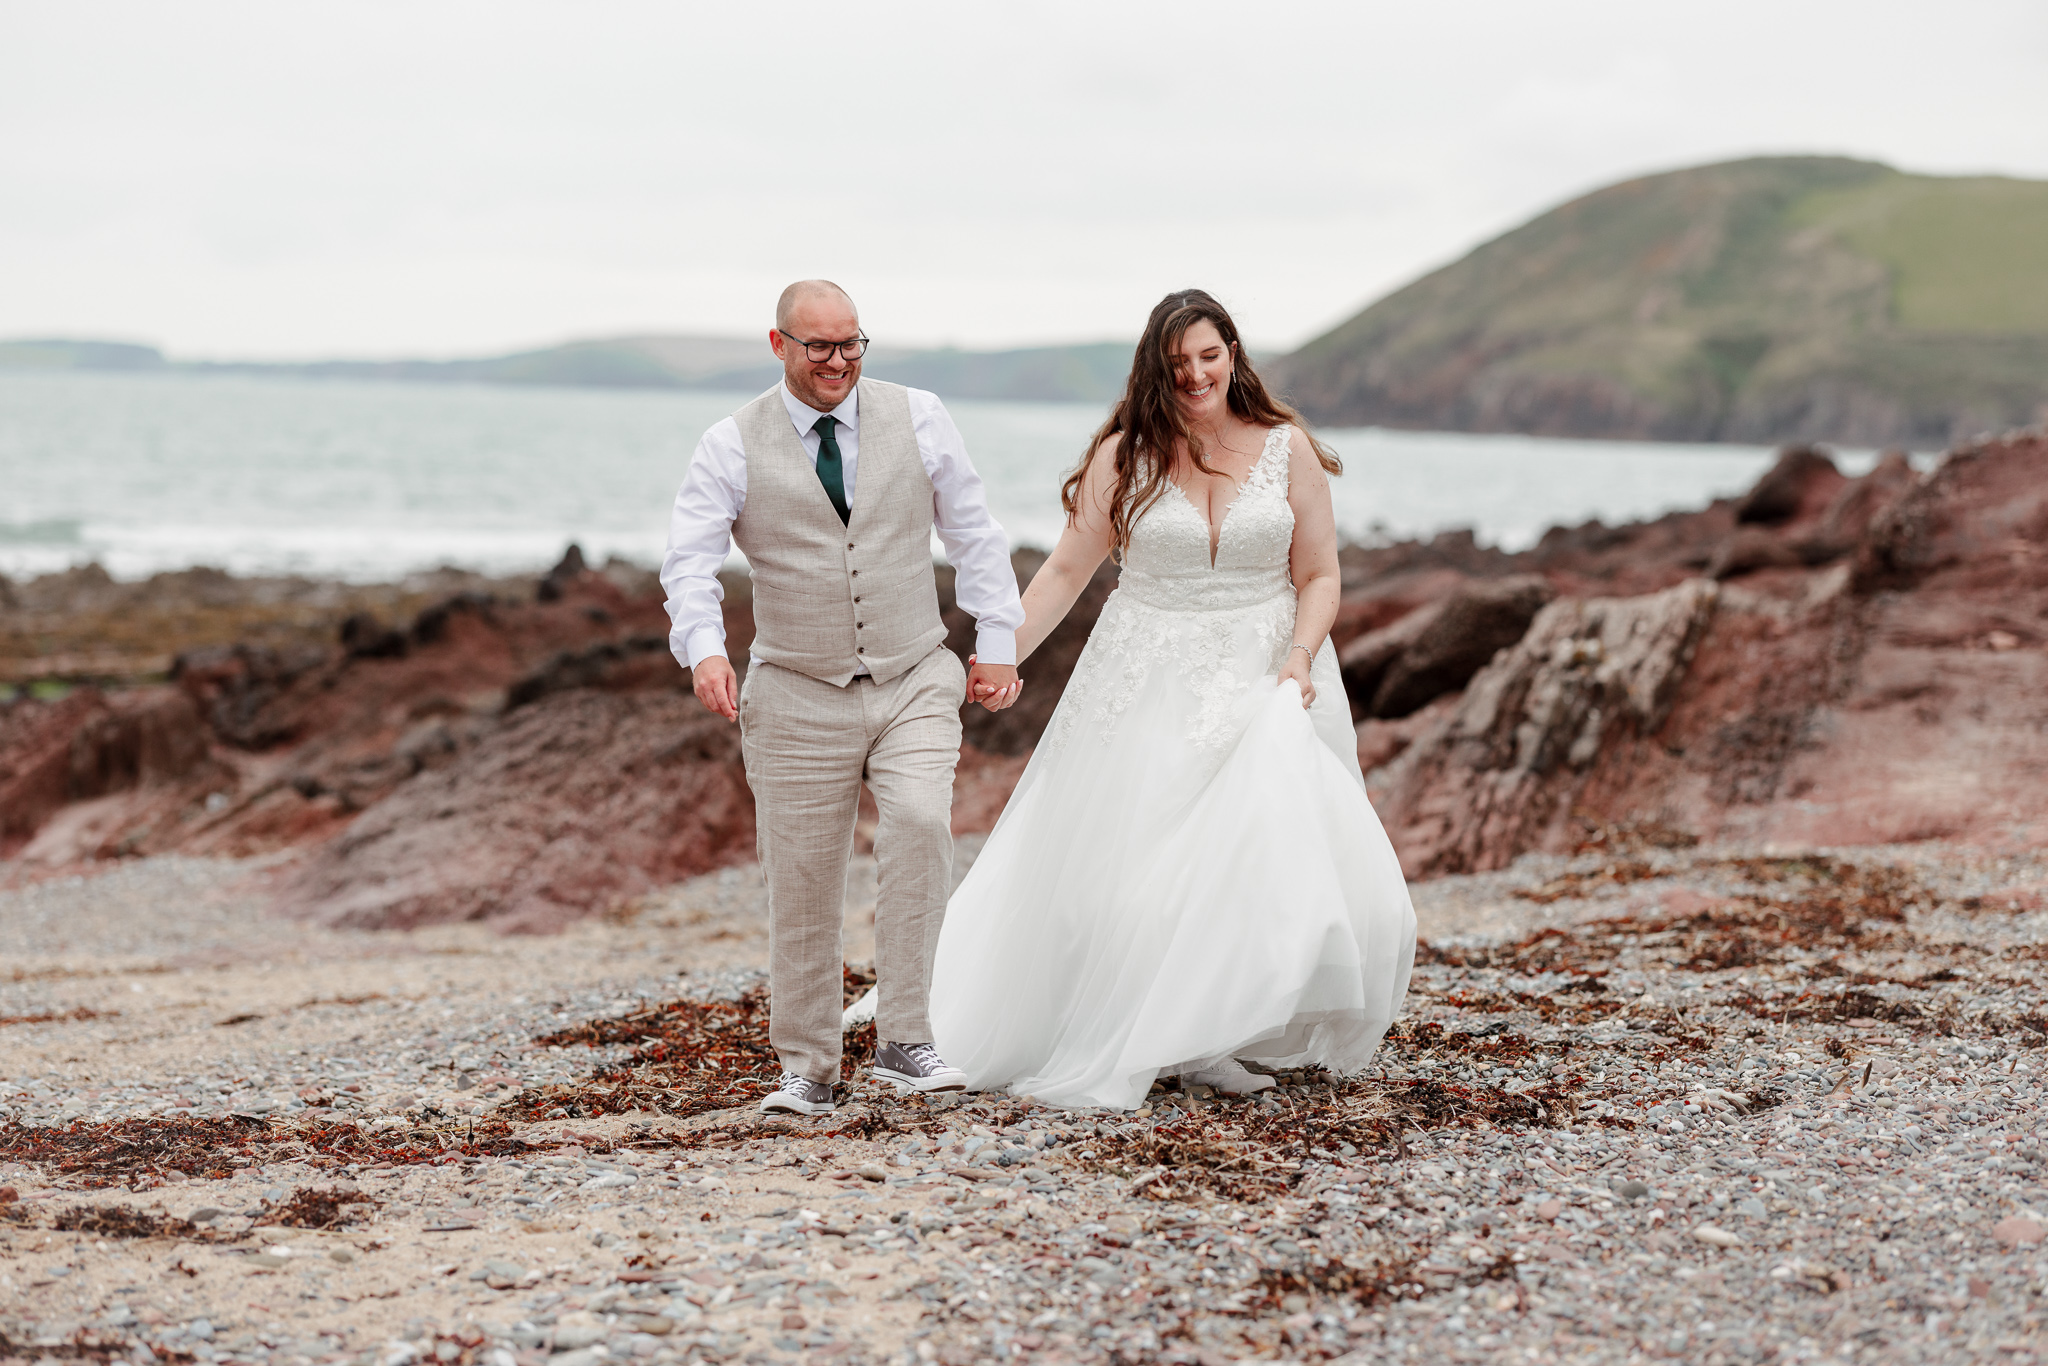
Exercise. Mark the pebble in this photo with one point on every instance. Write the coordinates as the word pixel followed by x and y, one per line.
pixel 2018 1231
pixel 1841 1199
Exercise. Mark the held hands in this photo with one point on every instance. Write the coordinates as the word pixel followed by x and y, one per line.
pixel 717 686
pixel 994 686
pixel 1297 668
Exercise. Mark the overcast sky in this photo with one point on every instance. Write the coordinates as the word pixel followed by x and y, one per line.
pixel 302 179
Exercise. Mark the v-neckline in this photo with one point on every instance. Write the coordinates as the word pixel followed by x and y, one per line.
pixel 1221 524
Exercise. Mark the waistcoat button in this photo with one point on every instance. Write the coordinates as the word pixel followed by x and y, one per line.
pixel 860 649
pixel 849 545
pixel 860 626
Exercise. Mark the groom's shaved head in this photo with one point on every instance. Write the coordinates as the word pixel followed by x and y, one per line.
pixel 816 313
pixel 797 294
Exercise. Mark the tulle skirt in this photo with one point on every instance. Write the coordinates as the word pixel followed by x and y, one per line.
pixel 1185 884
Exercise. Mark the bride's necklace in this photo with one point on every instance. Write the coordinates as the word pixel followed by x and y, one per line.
pixel 1220 444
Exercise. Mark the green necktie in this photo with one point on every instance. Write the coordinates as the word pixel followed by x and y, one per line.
pixel 830 472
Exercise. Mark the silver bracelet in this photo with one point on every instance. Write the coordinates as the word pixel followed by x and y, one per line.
pixel 1303 648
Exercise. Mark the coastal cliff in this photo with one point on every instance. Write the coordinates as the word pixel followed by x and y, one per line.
pixel 1767 300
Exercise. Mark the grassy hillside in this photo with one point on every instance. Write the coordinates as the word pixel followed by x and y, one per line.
pixel 1762 300
pixel 1088 372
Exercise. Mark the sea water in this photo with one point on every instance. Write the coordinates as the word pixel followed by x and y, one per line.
pixel 372 480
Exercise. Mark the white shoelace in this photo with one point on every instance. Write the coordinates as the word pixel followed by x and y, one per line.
pixel 794 1084
pixel 926 1057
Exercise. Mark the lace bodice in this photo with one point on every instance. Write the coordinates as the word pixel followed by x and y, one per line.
pixel 1167 564
pixel 1218 627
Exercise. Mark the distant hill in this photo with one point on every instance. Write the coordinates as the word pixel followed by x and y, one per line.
pixel 78 355
pixel 1764 300
pixel 1089 372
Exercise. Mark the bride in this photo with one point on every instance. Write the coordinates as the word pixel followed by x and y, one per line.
pixel 1189 872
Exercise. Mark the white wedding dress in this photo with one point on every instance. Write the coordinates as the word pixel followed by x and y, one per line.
pixel 1189 869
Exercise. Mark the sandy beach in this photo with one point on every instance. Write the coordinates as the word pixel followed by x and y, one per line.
pixel 1596 1146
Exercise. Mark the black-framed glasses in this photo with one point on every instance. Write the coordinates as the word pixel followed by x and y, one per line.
pixel 852 349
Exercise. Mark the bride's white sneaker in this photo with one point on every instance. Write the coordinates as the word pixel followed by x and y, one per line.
pixel 860 1012
pixel 916 1067
pixel 1231 1077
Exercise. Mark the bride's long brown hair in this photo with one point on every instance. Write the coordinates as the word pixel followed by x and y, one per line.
pixel 1153 425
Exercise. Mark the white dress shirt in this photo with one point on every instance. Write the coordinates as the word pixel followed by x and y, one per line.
pixel 715 489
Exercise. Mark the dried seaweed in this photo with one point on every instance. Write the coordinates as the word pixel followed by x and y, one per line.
pixel 1252 1153
pixel 1430 1104
pixel 1191 1156
pixel 120 1151
pixel 1574 885
pixel 695 1057
pixel 122 1221
pixel 1494 1043
pixel 1324 1278
pixel 1838 906
pixel 310 1208
pixel 54 1016
pixel 1633 837
pixel 86 1345
pixel 1832 1007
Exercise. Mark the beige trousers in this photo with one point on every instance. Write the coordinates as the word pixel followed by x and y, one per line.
pixel 808 746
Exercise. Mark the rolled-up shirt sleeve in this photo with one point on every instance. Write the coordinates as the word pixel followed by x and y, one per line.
pixel 976 545
pixel 714 490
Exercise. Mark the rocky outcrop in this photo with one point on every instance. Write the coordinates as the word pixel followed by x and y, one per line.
pixel 1803 481
pixel 576 803
pixel 520 760
pixel 1824 661
pixel 1855 506
pixel 1396 670
pixel 92 745
pixel 1898 691
pixel 1505 763
pixel 257 746
pixel 1749 549
pixel 149 736
pixel 35 761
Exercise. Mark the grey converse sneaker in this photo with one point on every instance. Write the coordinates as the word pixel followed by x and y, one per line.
pixel 797 1095
pixel 916 1067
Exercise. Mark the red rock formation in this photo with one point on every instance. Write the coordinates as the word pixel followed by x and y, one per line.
pixel 1896 697
pixel 571 805
pixel 1400 668
pixel 99 758
pixel 1825 661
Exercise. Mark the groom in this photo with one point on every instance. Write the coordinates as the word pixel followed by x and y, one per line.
pixel 832 486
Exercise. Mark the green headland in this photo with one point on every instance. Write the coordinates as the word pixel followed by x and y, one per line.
pixel 1771 299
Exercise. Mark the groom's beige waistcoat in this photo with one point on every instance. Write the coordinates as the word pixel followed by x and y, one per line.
pixel 832 597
